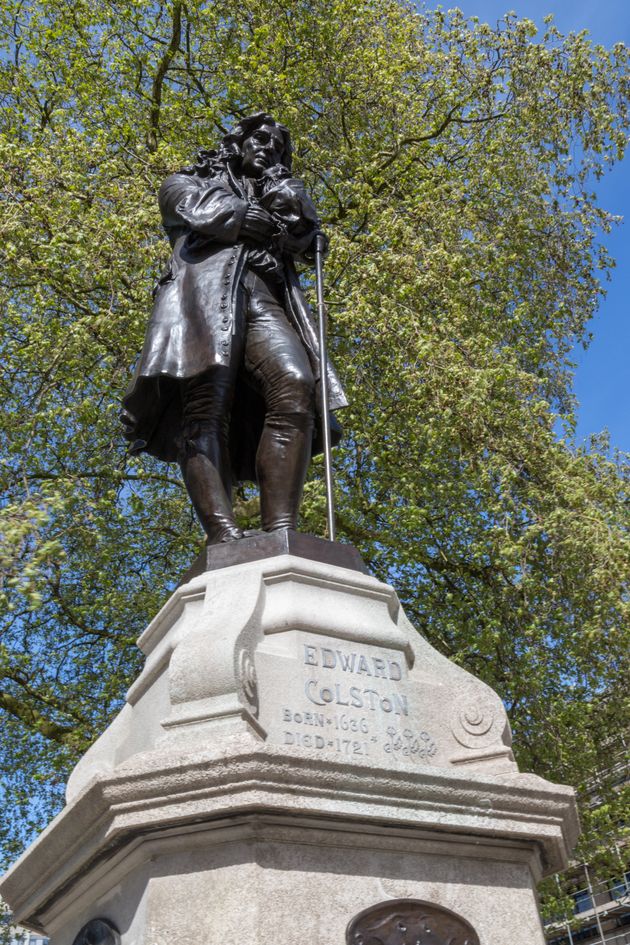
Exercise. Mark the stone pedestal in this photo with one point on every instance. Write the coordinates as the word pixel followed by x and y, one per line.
pixel 292 754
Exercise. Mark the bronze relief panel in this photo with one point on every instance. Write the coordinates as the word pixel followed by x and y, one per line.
pixel 98 932
pixel 409 922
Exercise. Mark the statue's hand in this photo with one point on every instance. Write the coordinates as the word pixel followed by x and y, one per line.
pixel 276 173
pixel 258 225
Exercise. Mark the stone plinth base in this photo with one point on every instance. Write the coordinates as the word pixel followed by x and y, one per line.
pixel 292 754
pixel 269 878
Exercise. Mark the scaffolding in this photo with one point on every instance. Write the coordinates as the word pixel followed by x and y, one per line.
pixel 600 912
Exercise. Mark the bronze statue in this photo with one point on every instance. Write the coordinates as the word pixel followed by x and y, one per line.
pixel 226 381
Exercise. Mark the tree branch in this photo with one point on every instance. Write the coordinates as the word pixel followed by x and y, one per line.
pixel 35 720
pixel 449 119
pixel 156 92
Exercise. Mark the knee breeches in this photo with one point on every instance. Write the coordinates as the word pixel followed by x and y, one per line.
pixel 269 350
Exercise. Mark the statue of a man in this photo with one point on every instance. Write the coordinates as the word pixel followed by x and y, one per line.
pixel 226 382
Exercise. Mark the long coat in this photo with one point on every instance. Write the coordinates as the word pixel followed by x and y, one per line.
pixel 195 313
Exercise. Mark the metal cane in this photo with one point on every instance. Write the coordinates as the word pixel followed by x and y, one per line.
pixel 320 247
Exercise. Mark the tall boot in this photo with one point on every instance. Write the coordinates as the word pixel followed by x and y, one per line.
pixel 200 462
pixel 282 462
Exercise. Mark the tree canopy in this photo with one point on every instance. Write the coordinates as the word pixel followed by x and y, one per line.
pixel 454 166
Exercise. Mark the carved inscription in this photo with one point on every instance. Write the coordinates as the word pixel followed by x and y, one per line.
pixel 354 696
pixel 410 743
pixel 352 662
pixel 344 734
pixel 349 696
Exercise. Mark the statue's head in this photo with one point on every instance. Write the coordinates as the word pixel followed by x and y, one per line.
pixel 257 142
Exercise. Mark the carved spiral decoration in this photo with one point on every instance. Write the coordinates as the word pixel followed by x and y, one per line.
pixel 476 718
pixel 478 722
pixel 249 682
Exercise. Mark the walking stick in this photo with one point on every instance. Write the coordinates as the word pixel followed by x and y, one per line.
pixel 320 246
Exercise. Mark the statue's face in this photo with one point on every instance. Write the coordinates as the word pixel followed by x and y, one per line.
pixel 261 150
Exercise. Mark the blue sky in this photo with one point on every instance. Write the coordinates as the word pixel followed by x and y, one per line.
pixel 602 380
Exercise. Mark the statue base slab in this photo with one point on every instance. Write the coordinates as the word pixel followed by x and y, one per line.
pixel 284 541
pixel 293 753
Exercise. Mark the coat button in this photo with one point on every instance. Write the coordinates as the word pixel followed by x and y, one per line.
pixel 223 305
